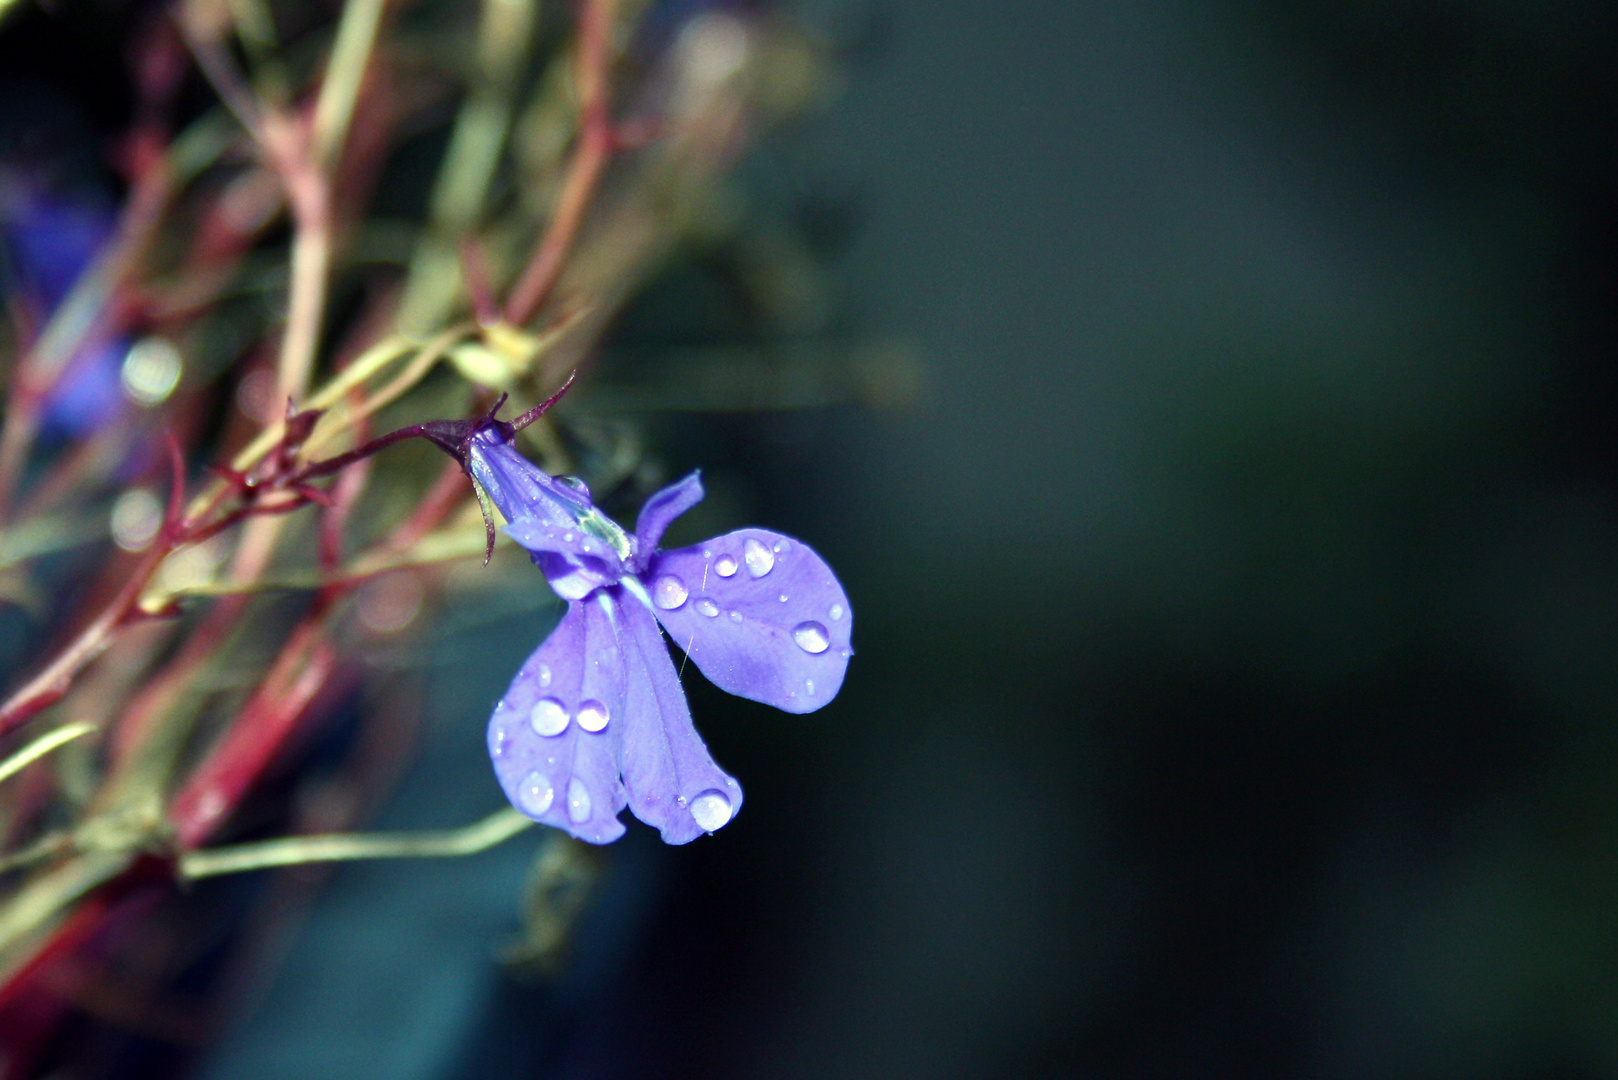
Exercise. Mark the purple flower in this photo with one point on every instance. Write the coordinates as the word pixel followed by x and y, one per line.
pixel 596 719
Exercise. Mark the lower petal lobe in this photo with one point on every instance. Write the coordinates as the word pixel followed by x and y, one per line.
pixel 554 738
pixel 672 781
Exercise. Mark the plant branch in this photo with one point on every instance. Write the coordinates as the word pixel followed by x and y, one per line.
pixel 493 830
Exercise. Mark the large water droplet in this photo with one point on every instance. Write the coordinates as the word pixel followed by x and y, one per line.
pixel 811 637
pixel 836 612
pixel 760 559
pixel 669 592
pixel 544 674
pixel 707 607
pixel 592 716
pixel 725 566
pixel 549 717
pixel 711 809
pixel 578 801
pixel 534 794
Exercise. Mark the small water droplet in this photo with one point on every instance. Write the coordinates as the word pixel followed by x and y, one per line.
pixel 592 715
pixel 811 637
pixel 578 801
pixel 576 484
pixel 735 616
pixel 782 598
pixel 680 801
pixel 567 538
pixel 549 717
pixel 711 809
pixel 534 794
pixel 499 741
pixel 544 674
pixel 669 592
pixel 707 553
pixel 809 687
pixel 782 546
pixel 760 559
pixel 725 566
pixel 707 607
pixel 836 612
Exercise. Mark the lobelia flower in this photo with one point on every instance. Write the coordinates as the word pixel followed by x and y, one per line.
pixel 596 719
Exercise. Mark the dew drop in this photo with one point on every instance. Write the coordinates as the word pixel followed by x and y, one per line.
pixel 811 637
pixel 567 538
pixel 711 809
pixel 760 559
pixel 578 801
pixel 782 546
pixel 707 607
pixel 809 687
pixel 592 716
pixel 836 612
pixel 550 718
pixel 534 794
pixel 669 592
pixel 576 484
pixel 544 674
pixel 680 801
pixel 499 741
pixel 782 598
pixel 735 616
pixel 725 566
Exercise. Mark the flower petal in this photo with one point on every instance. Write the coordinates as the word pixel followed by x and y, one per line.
pixel 554 737
pixel 760 613
pixel 661 510
pixel 672 781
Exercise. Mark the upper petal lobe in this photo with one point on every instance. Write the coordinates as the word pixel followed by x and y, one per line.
pixel 761 614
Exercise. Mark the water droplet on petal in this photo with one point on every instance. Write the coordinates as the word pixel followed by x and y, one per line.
pixel 836 612
pixel 592 716
pixel 534 794
pixel 725 566
pixel 576 484
pixel 707 607
pixel 669 592
pixel 567 538
pixel 783 546
pixel 711 809
pixel 499 741
pixel 578 801
pixel 760 559
pixel 680 801
pixel 811 637
pixel 782 598
pixel 735 616
pixel 549 717
pixel 809 687
pixel 544 674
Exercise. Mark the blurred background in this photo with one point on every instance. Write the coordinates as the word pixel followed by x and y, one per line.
pixel 1237 591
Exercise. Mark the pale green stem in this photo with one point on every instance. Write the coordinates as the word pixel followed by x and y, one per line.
pixel 41 746
pixel 351 847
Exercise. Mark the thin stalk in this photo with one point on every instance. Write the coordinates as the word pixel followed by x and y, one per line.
pixel 493 830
